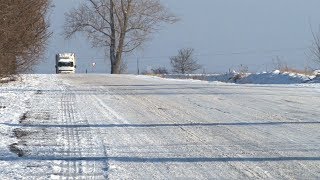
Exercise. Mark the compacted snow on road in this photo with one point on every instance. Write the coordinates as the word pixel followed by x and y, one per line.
pixel 138 127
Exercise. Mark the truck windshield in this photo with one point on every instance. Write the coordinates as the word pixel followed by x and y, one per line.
pixel 65 64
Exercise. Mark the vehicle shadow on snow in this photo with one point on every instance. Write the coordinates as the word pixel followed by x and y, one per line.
pixel 162 125
pixel 156 92
pixel 165 159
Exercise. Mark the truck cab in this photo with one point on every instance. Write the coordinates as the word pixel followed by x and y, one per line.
pixel 65 63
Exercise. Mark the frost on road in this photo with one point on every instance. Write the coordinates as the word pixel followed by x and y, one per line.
pixel 136 127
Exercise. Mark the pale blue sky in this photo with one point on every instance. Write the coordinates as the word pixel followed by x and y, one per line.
pixel 224 34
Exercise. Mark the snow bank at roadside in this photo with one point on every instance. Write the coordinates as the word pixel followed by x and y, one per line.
pixel 205 77
pixel 315 80
pixel 275 77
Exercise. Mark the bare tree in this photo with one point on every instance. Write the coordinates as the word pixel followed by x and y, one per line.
pixel 159 70
pixel 184 62
pixel 315 49
pixel 23 33
pixel 119 26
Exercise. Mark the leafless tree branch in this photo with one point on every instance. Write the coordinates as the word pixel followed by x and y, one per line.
pixel 120 26
pixel 184 62
pixel 23 33
pixel 315 49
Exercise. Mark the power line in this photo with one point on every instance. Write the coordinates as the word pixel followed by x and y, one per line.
pixel 248 52
pixel 236 53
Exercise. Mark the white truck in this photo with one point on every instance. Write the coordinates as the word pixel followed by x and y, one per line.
pixel 66 63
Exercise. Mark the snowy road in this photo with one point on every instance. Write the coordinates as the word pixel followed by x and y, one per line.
pixel 136 127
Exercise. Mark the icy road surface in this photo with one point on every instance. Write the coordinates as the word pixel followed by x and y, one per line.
pixel 136 127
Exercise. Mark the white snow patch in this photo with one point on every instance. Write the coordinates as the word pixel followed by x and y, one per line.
pixel 275 77
pixel 14 96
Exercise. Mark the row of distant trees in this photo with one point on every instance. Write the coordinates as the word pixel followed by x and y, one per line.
pixel 118 26
pixel 121 26
pixel 23 34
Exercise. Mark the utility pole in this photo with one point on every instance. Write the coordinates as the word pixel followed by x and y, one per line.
pixel 138 68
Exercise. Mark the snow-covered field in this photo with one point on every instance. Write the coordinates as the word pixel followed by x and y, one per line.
pixel 139 127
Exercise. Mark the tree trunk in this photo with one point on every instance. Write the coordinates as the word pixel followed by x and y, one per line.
pixel 113 59
pixel 118 58
pixel 115 68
